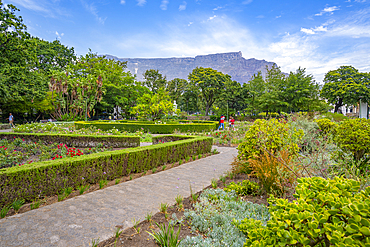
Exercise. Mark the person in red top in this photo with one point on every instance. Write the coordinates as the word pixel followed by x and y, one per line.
pixel 232 122
pixel 222 120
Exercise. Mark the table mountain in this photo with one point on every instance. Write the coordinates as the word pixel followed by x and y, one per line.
pixel 232 63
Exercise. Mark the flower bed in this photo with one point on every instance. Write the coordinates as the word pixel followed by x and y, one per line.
pixel 48 178
pixel 152 127
pixel 76 140
pixel 18 152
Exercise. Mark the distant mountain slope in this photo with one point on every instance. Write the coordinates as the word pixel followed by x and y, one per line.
pixel 232 63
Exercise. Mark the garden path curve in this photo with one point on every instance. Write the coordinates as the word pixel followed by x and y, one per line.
pixel 76 221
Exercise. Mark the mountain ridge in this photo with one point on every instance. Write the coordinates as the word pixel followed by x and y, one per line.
pixel 231 63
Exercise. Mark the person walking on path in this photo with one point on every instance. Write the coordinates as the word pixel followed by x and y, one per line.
pixel 232 122
pixel 11 120
pixel 222 120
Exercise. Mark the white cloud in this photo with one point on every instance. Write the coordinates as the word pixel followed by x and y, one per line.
pixel 59 36
pixel 217 8
pixel 32 5
pixel 94 11
pixel 47 8
pixel 307 31
pixel 164 4
pixel 212 17
pixel 247 1
pixel 320 29
pixel 343 41
pixel 141 2
pixel 182 6
pixel 123 1
pixel 329 10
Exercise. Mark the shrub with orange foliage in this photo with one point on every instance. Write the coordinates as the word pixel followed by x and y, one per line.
pixel 276 173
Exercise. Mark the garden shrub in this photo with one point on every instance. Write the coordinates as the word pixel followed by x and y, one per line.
pixel 353 136
pixel 326 125
pixel 312 137
pixel 329 212
pixel 213 215
pixel 47 178
pixel 271 135
pixel 243 188
pixel 149 126
pixel 277 174
pixel 76 140
pixel 337 117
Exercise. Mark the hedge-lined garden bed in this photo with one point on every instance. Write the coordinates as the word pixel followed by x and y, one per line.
pixel 77 140
pixel 48 178
pixel 168 128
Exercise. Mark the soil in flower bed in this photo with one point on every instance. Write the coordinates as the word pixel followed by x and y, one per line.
pixel 94 187
pixel 19 152
pixel 131 238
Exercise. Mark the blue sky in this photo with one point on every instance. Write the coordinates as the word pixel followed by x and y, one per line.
pixel 316 35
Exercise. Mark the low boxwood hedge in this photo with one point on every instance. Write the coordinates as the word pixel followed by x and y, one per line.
pixel 168 128
pixel 40 179
pixel 115 141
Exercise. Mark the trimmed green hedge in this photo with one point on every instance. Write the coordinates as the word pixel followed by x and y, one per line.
pixel 168 128
pixel 77 140
pixel 48 178
pixel 168 138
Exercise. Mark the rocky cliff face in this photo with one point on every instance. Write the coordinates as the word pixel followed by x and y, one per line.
pixel 233 64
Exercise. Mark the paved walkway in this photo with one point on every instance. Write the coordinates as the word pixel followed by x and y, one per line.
pixel 76 221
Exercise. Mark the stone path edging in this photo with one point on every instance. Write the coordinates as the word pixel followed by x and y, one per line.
pixel 76 221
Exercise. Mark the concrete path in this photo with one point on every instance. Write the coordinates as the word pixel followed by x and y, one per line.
pixel 75 222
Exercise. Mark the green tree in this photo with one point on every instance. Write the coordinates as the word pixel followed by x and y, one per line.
pixel 232 98
pixel 52 55
pixel 154 80
pixel 271 100
pixel 153 106
pixel 255 88
pixel 346 86
pixel 210 83
pixel 176 88
pixel 120 89
pixel 301 92
pixel 21 83
pixel 77 90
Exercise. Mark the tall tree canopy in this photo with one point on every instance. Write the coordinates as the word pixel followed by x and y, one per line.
pixel 154 80
pixel 210 83
pixel 346 85
pixel 25 64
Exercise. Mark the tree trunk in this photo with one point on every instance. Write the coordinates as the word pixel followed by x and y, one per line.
pixel 338 104
pixel 207 109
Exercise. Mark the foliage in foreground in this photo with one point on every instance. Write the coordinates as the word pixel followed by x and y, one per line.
pixel 327 213
pixel 271 135
pixel 243 188
pixel 213 215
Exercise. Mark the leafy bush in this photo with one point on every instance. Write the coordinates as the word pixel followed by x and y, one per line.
pixel 50 177
pixel 326 125
pixel 76 140
pixel 243 188
pixel 212 219
pixel 271 135
pixel 337 117
pixel 311 137
pixel 327 213
pixel 152 127
pixel 353 135
pixel 277 173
